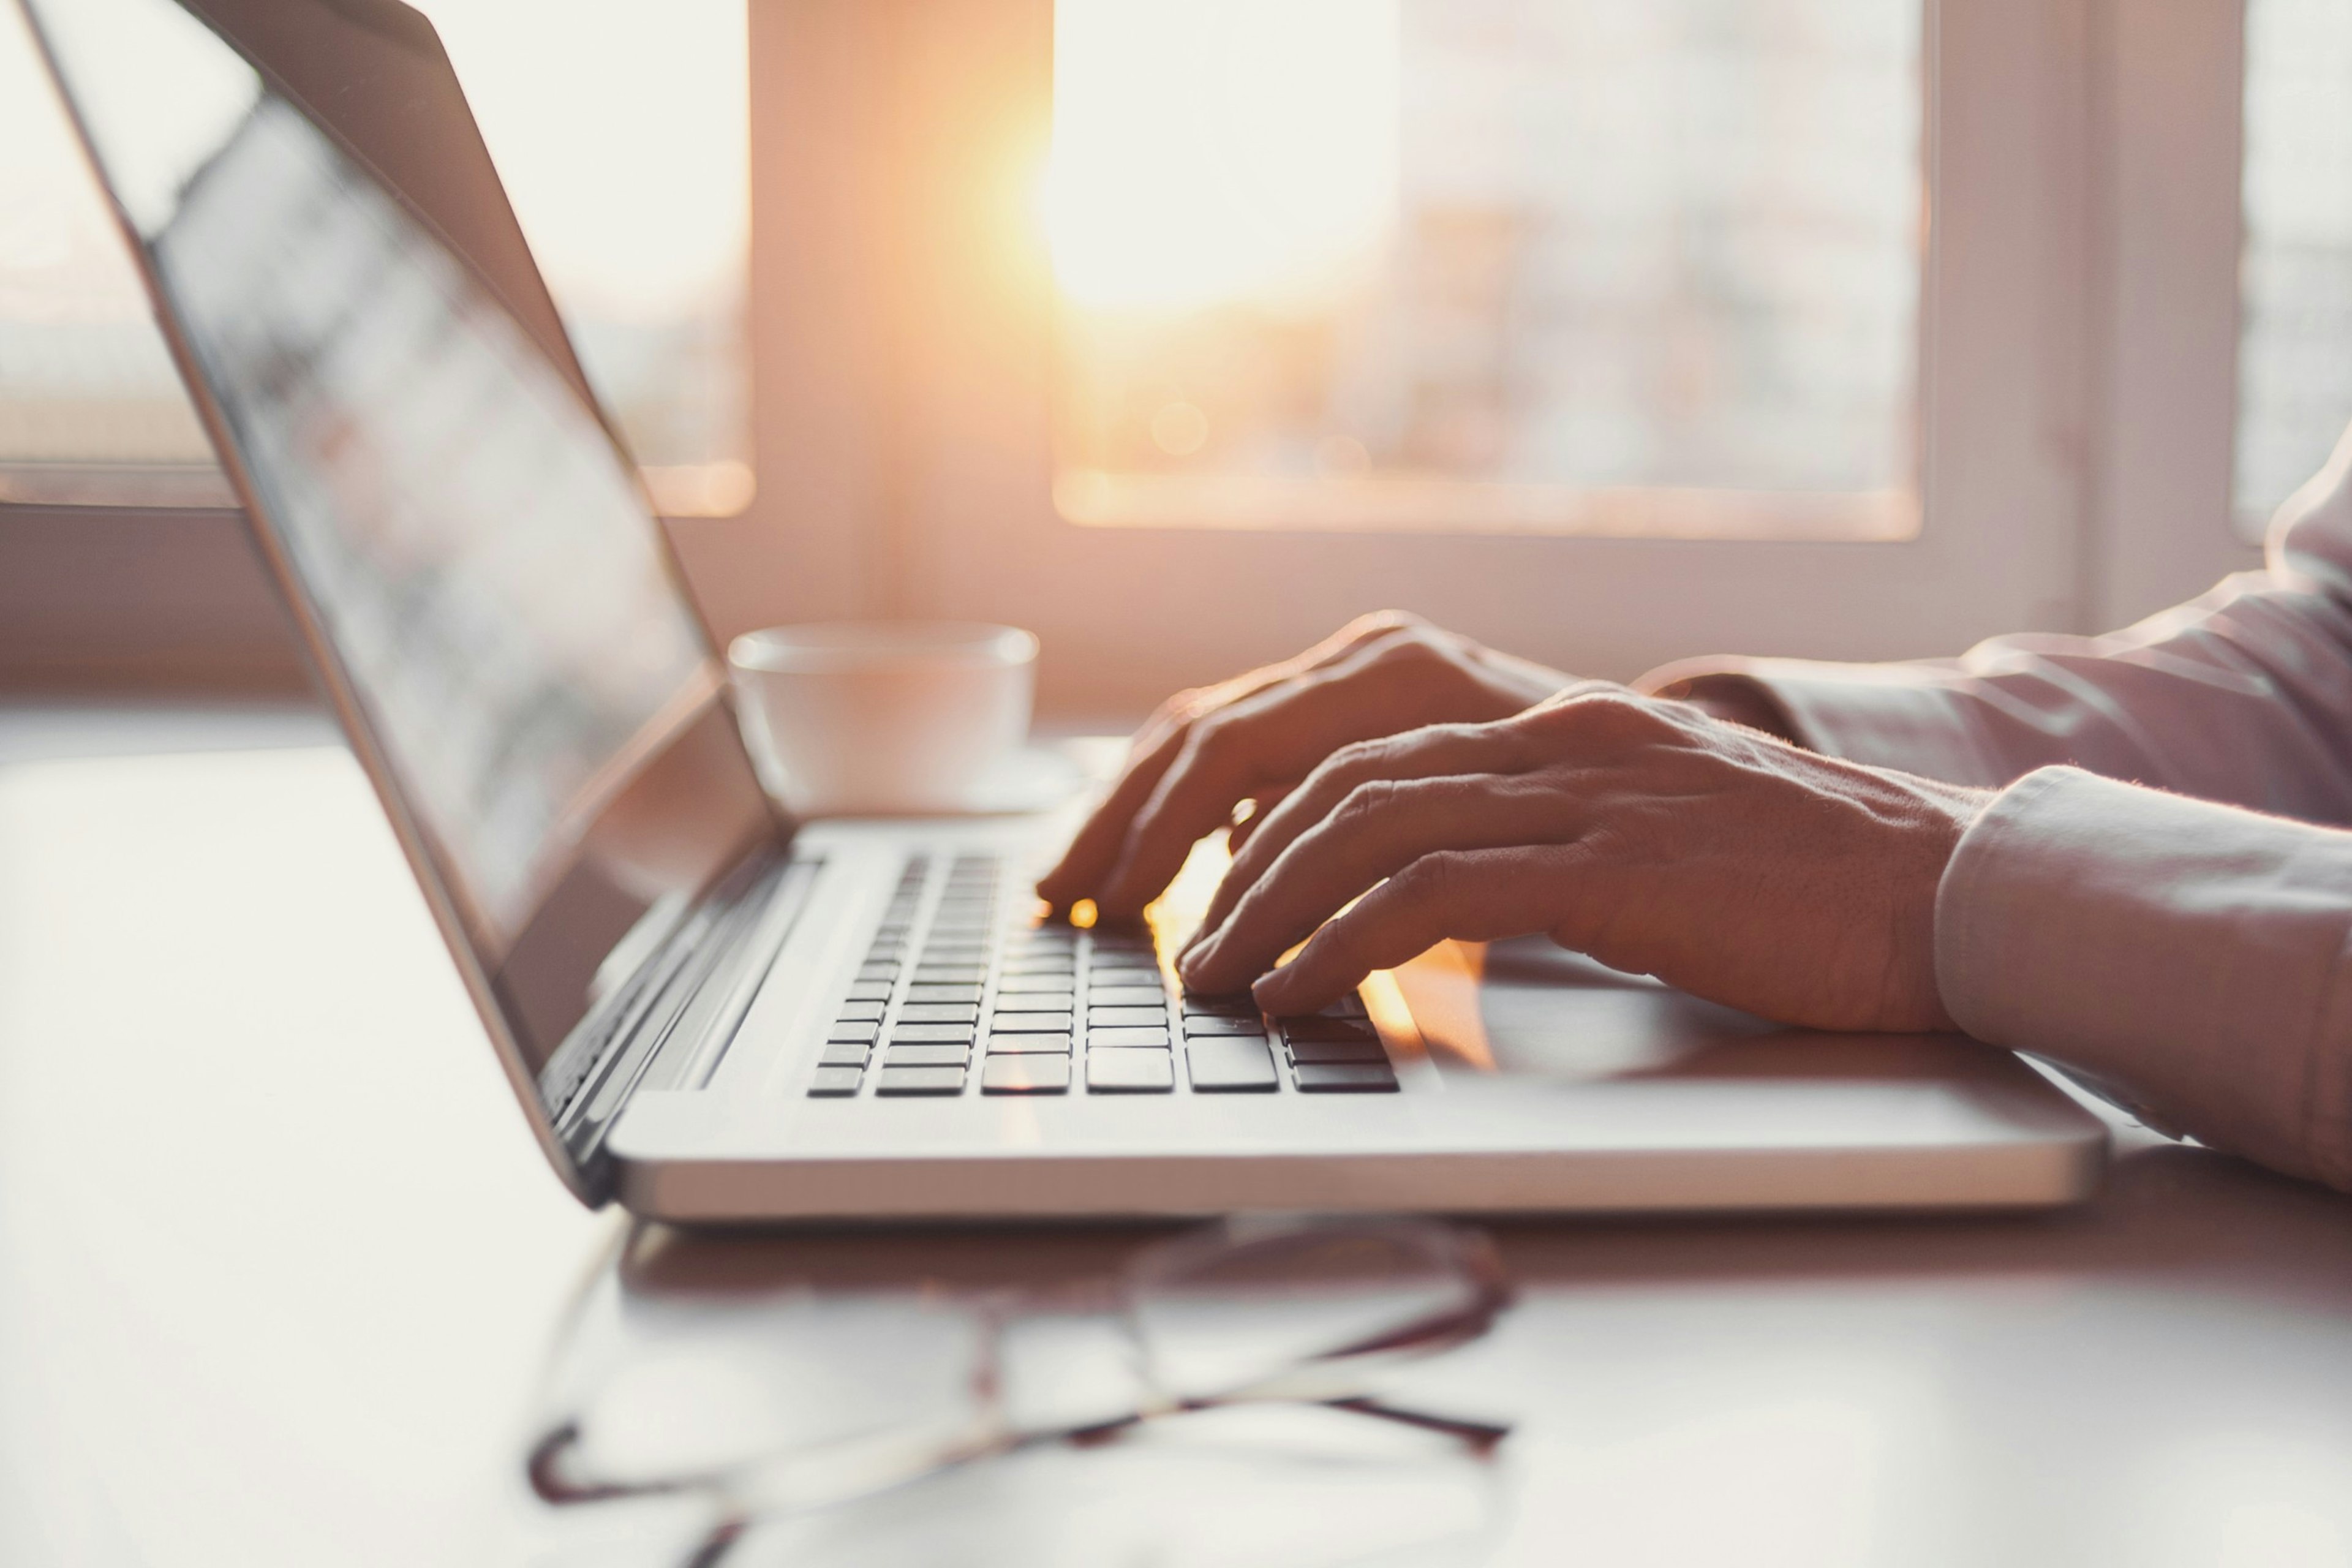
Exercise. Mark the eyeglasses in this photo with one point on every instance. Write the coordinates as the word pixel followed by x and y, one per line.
pixel 1264 1312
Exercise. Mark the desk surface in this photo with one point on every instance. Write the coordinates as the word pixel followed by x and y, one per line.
pixel 281 1276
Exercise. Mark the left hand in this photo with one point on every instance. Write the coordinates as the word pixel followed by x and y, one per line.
pixel 1641 832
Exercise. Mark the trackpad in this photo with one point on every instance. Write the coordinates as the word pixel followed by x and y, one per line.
pixel 1529 1006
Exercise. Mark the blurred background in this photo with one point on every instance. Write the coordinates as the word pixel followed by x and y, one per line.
pixel 1181 331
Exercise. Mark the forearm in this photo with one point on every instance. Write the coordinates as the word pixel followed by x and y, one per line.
pixel 2192 956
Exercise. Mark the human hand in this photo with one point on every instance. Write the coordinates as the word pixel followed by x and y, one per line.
pixel 1254 736
pixel 1656 839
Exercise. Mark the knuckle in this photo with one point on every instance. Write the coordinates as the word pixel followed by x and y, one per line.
pixel 1603 716
pixel 1366 627
pixel 1351 761
pixel 1183 705
pixel 1416 649
pixel 1212 739
pixel 1431 880
pixel 1364 802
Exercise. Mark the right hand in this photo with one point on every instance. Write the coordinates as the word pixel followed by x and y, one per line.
pixel 1255 737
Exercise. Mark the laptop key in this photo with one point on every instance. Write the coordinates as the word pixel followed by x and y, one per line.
pixel 862 1033
pixel 943 994
pixel 1127 1039
pixel 1131 1073
pixel 861 1012
pixel 1030 1023
pixel 1248 1028
pixel 895 1082
pixel 1322 1028
pixel 1306 1051
pixel 940 1012
pixel 1116 1017
pixel 932 1034
pixel 950 973
pixel 1345 1077
pixel 1046 1002
pixel 870 991
pixel 1036 984
pixel 1126 997
pixel 835 1083
pixel 1025 1075
pixel 1224 1065
pixel 1240 1004
pixel 1132 938
pixel 844 1054
pixel 1029 1044
pixel 898 1055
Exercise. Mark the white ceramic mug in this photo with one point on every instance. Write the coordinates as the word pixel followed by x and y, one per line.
pixel 874 718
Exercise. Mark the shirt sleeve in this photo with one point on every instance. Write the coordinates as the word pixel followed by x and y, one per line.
pixel 2243 695
pixel 2190 958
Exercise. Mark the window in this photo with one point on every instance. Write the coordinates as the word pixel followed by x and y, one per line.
pixel 1572 267
pixel 2294 353
pixel 90 408
pixel 1632 310
pixel 621 134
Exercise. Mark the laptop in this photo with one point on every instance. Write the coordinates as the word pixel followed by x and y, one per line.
pixel 712 1012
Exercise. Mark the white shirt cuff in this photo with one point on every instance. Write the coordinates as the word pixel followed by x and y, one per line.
pixel 2193 956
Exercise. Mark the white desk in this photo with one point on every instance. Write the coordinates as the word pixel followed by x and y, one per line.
pixel 279 1270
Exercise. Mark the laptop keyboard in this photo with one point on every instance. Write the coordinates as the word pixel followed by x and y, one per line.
pixel 958 996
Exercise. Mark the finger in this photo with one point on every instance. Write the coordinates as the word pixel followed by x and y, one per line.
pixel 1273 737
pixel 1096 846
pixel 1083 865
pixel 1433 752
pixel 1380 829
pixel 1482 895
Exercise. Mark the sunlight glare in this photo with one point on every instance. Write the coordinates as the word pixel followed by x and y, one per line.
pixel 634 216
pixel 1208 150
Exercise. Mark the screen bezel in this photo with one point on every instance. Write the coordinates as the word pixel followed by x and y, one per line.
pixel 708 724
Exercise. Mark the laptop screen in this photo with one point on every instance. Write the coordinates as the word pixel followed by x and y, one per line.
pixel 462 532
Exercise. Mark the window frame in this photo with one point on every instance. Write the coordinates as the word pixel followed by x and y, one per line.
pixel 2168 97
pixel 902 363
pixel 2080 297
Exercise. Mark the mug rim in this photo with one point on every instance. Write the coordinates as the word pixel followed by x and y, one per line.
pixel 808 646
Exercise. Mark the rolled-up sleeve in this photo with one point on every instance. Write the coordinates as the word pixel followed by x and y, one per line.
pixel 2190 958
pixel 2243 695
pixel 2160 898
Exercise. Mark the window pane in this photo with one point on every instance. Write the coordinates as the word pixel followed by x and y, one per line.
pixel 2294 325
pixel 621 132
pixel 1560 265
pixel 90 408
